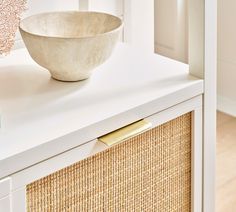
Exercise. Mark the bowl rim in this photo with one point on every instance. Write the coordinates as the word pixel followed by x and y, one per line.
pixel 21 28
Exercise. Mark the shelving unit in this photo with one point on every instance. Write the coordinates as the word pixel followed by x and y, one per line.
pixel 48 125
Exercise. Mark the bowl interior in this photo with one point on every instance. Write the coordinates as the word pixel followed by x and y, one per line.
pixel 70 24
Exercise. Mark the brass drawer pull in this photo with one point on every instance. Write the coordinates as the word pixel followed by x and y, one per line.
pixel 124 133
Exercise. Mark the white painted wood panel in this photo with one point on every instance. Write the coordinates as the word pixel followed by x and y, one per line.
pixel 209 120
pixel 5 187
pixel 197 159
pixel 56 163
pixel 5 204
pixel 18 200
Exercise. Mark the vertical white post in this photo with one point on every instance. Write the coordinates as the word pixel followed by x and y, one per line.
pixel 210 66
pixel 197 160
pixel 202 61
pixel 18 200
pixel 5 190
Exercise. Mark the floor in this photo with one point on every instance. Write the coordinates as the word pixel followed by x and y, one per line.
pixel 226 164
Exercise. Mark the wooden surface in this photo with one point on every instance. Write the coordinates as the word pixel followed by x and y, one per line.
pixel 226 164
pixel 37 110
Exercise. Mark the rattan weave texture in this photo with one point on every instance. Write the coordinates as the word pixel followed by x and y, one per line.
pixel 149 172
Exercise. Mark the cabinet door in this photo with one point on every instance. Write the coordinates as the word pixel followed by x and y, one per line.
pixel 148 172
pixel 152 166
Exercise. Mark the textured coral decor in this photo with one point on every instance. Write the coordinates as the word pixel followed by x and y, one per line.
pixel 10 13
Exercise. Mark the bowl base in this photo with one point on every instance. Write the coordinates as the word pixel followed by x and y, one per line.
pixel 66 80
pixel 69 77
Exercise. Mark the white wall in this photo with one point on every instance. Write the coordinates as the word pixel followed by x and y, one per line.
pixel 114 7
pixel 138 16
pixel 227 56
pixel 171 29
pixel 37 6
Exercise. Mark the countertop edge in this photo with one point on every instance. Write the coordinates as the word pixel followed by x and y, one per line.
pixel 57 146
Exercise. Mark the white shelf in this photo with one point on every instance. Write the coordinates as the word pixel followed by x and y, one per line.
pixel 42 117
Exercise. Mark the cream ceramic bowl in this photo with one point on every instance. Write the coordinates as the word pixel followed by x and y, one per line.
pixel 70 44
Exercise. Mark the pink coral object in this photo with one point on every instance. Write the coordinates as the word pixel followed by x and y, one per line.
pixel 10 14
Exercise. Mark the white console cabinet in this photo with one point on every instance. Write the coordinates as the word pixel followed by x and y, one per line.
pixel 49 125
pixel 143 123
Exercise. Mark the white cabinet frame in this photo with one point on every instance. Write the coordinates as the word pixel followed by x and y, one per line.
pixel 21 179
pixel 203 64
pixel 202 61
pixel 5 190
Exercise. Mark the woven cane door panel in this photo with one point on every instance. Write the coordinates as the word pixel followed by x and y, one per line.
pixel 150 172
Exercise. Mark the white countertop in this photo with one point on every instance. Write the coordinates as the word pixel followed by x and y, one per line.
pixel 38 112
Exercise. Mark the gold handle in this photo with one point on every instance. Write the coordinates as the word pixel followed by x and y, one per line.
pixel 125 132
